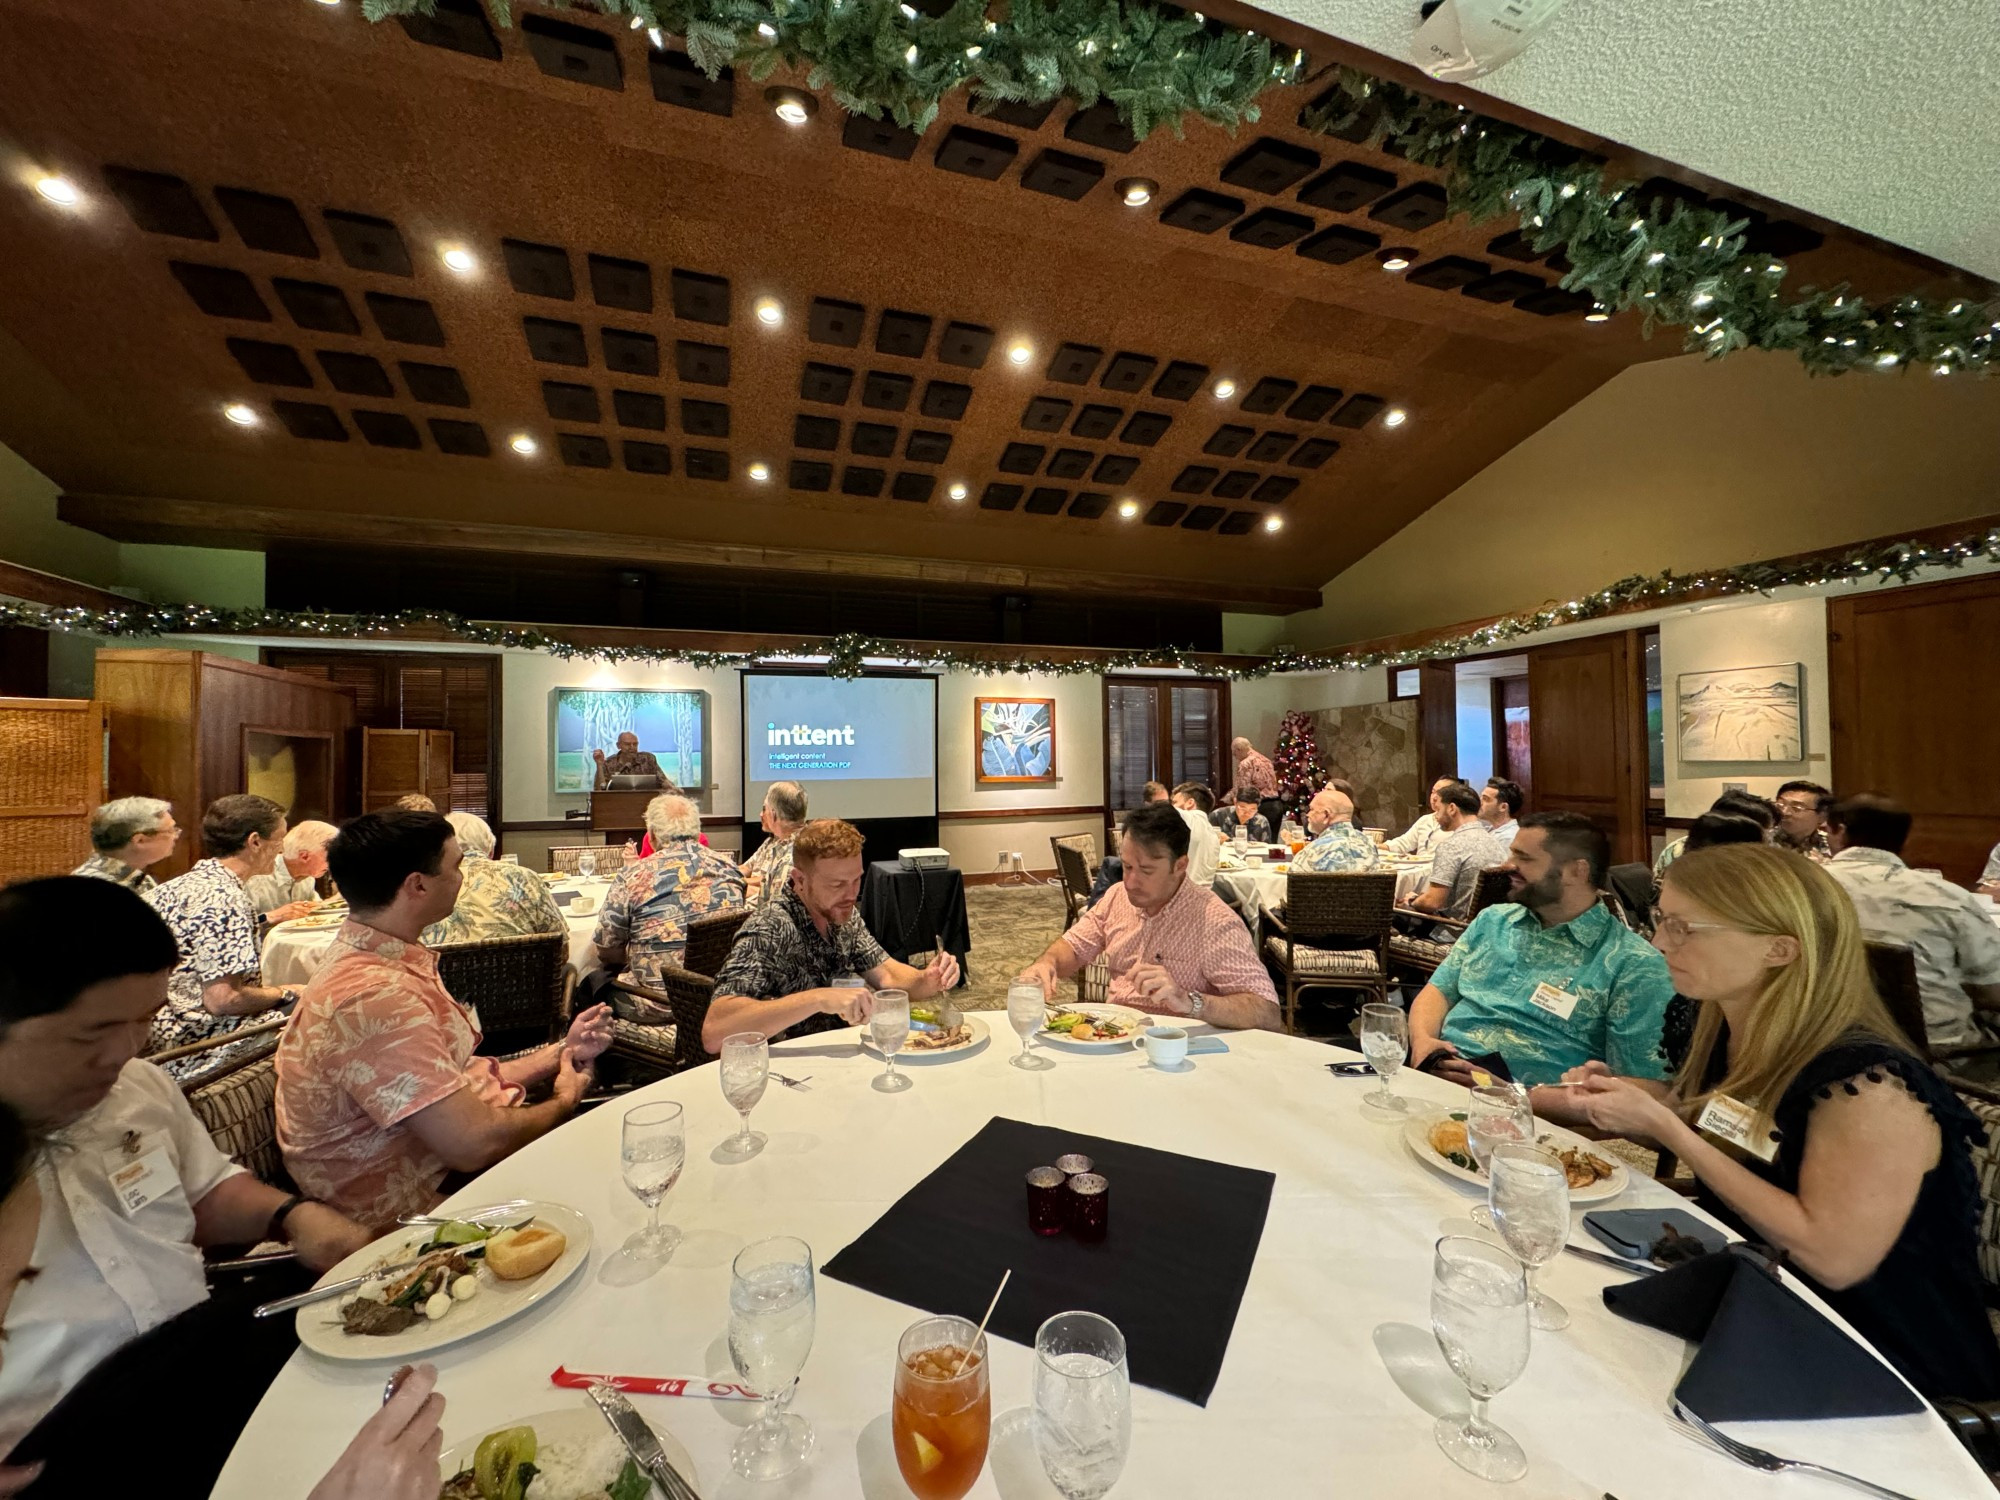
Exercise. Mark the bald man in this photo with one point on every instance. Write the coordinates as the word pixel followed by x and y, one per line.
pixel 1338 847
pixel 629 761
pixel 1253 771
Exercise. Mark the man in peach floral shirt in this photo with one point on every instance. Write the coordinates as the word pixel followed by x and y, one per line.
pixel 380 1090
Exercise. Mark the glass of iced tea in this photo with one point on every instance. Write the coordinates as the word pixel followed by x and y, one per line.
pixel 941 1419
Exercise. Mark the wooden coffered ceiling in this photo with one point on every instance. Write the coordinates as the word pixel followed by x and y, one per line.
pixel 268 192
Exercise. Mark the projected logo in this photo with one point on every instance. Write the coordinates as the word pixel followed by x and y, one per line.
pixel 800 748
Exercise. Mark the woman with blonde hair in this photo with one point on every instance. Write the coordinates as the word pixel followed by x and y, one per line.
pixel 1809 1119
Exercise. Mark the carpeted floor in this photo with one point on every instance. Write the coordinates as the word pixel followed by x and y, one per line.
pixel 1011 925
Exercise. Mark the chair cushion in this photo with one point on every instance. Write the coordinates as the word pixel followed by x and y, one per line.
pixel 1417 950
pixel 240 1114
pixel 657 1042
pixel 1324 960
pixel 1986 1162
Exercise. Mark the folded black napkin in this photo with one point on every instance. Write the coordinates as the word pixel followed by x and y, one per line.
pixel 1766 1355
pixel 1170 1273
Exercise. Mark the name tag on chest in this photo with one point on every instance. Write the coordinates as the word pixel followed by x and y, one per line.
pixel 472 1019
pixel 139 1180
pixel 1733 1121
pixel 1559 1003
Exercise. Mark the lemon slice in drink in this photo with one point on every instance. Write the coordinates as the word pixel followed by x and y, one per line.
pixel 929 1455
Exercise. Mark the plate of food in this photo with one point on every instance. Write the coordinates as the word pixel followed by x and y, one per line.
pixel 929 1040
pixel 1439 1141
pixel 1097 1028
pixel 317 921
pixel 574 1455
pixel 444 1282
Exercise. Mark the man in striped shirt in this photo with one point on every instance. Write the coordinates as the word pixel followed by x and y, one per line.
pixel 1172 948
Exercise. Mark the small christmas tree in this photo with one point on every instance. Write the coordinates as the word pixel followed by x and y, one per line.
pixel 1297 759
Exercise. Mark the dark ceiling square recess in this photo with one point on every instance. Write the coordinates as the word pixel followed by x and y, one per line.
pixel 624 284
pixel 1000 497
pixel 1229 440
pixel 648 458
pixel 1271 447
pixel 1115 468
pixel 1278 487
pixel 1513 245
pixel 459 438
pixel 309 419
pixel 1095 423
pixel 1268 394
pixel 1061 175
pixel 946 399
pixel 435 385
pixel 699 298
pixel 810 474
pixel 879 137
pixel 976 153
pixel 633 353
pixel 1201 211
pixel 1146 428
pixel 856 480
pixel 1074 364
pixel 1554 302
pixel 270 364
pixel 1269 166
pixel 701 364
pixel 885 391
pixel 1129 372
pixel 355 374
pixel 913 484
pixel 965 344
pixel 584 450
pixel 1045 500
pixel 368 243
pixel 822 433
pixel 387 429
pixel 707 463
pixel 1338 245
pixel 1164 513
pixel 221 292
pixel 1021 115
pixel 1417 206
pixel 1236 484
pixel 1103 127
pixel 640 409
pixel 873 440
pixel 268 222
pixel 1046 414
pixel 570 403
pixel 1089 505
pixel 405 320
pixel 457 26
pixel 1504 286
pixel 1237 523
pixel 1313 403
pixel 539 270
pixel 1195 479
pixel 161 203
pixel 679 81
pixel 1180 380
pixel 1271 228
pixel 830 384
pixel 927 447
pixel 1069 463
pixel 705 418
pixel 1347 188
pixel 903 334
pixel 831 322
pixel 1312 453
pixel 575 53
pixel 1201 518
pixel 1449 273
pixel 315 305
pixel 1358 410
pixel 1022 458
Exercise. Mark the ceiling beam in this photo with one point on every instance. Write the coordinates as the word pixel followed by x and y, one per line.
pixel 129 518
pixel 33 586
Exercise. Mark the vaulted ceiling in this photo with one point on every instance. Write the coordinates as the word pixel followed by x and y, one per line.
pixel 404 253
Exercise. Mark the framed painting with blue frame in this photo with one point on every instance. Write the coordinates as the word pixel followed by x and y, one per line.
pixel 1014 739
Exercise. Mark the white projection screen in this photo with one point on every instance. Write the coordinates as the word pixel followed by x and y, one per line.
pixel 862 747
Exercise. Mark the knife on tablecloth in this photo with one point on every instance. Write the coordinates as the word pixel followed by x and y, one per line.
pixel 640 1442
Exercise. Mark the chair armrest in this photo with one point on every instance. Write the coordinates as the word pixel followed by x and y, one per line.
pixel 1274 923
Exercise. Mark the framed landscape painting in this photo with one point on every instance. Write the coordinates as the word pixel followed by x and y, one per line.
pixel 1016 739
pixel 1741 714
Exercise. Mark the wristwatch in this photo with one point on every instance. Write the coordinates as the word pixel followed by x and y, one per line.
pixel 274 1229
pixel 288 996
pixel 1196 1004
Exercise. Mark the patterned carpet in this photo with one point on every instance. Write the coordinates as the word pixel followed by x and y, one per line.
pixel 1011 925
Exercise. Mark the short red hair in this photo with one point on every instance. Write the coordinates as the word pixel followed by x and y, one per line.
pixel 826 838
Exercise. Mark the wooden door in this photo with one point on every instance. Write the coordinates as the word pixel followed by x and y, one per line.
pixel 1437 722
pixel 1513 750
pixel 1586 736
pixel 1910 673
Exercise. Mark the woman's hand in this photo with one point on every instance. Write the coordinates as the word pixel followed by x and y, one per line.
pixel 395 1455
pixel 1618 1106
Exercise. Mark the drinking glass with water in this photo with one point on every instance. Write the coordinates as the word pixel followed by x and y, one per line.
pixel 1385 1042
pixel 746 1069
pixel 1529 1193
pixel 1479 1316
pixel 771 1320
pixel 1026 1011
pixel 652 1149
pixel 889 1027
pixel 1083 1404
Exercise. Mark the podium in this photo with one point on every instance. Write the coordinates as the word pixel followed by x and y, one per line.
pixel 620 815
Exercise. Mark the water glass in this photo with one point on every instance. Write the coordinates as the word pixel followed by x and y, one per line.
pixel 1495 1113
pixel 651 1151
pixel 1385 1042
pixel 586 865
pixel 1083 1404
pixel 746 1069
pixel 1026 1011
pixel 890 1028
pixel 1479 1315
pixel 771 1317
pixel 1529 1194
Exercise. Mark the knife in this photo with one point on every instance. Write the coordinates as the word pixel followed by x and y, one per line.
pixel 640 1442
pixel 1616 1262
pixel 331 1289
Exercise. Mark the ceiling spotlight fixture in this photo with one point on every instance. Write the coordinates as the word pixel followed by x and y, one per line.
pixel 241 414
pixel 1128 508
pixel 522 444
pixel 1137 192
pixel 329 2
pixel 58 190
pixel 1224 389
pixel 1396 258
pixel 760 472
pixel 769 312
pixel 793 106
pixel 1598 314
pixel 458 258
pixel 1395 416
pixel 1274 523
pixel 1020 352
pixel 958 491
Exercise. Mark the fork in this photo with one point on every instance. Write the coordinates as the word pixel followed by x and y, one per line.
pixel 1770 1463
pixel 793 1083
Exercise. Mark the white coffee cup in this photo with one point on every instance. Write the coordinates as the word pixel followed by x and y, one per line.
pixel 1166 1046
pixel 583 905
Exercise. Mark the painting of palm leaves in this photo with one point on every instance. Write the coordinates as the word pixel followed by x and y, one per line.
pixel 1017 738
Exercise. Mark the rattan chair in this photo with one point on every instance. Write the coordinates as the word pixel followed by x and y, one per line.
pixel 521 987
pixel 238 1107
pixel 1419 957
pixel 611 858
pixel 709 940
pixel 1075 873
pixel 1333 934
pixel 1084 844
pixel 660 1027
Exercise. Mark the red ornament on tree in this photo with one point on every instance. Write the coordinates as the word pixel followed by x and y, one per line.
pixel 1297 759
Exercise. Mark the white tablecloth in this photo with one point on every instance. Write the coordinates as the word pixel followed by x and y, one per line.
pixel 1259 888
pixel 292 954
pixel 1306 1405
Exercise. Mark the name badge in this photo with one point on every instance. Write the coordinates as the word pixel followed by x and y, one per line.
pixel 139 1180
pixel 472 1019
pixel 1559 1003
pixel 1731 1120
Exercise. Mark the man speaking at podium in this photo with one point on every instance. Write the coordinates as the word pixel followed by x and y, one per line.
pixel 629 761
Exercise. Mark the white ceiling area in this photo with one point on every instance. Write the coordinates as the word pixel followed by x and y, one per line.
pixel 1878 114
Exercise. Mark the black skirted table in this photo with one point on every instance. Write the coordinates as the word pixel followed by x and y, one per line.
pixel 916 911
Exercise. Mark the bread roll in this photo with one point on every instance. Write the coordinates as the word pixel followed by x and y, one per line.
pixel 516 1254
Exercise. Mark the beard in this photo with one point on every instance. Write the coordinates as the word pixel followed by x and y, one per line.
pixel 1538 895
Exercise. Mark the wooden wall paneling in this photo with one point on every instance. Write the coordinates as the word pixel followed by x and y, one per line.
pixel 1437 721
pixel 1909 674
pixel 397 762
pixel 51 777
pixel 1586 727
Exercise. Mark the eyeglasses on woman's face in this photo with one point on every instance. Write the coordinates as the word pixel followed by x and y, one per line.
pixel 1670 931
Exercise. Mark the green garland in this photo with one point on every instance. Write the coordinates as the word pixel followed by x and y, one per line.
pixel 847 654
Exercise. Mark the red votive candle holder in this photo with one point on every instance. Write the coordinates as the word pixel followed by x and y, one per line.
pixel 1048 1208
pixel 1073 1164
pixel 1089 1207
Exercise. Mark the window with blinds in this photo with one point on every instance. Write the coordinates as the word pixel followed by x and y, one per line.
pixel 1168 731
pixel 1131 738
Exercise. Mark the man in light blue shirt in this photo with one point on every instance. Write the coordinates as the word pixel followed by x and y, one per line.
pixel 1500 804
pixel 1338 847
pixel 1550 980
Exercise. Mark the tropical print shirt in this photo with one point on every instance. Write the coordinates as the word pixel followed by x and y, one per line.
pixel 767 872
pixel 212 919
pixel 497 900
pixel 1618 981
pixel 634 763
pixel 1949 932
pixel 652 900
pixel 1256 772
pixel 1340 849
pixel 104 867
pixel 779 952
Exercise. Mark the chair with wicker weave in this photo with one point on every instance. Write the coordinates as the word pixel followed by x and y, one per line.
pixel 709 940
pixel 1084 844
pixel 1333 933
pixel 520 986
pixel 661 1029
pixel 1074 871
pixel 611 858
pixel 1419 957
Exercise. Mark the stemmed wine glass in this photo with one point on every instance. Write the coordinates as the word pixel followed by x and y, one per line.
pixel 1083 1403
pixel 1529 1192
pixel 1495 1114
pixel 586 865
pixel 1385 1042
pixel 746 1068
pixel 651 1152
pixel 890 1027
pixel 1026 1011
pixel 771 1317
pixel 1479 1315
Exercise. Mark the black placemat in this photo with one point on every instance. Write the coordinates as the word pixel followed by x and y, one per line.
pixel 1170 1273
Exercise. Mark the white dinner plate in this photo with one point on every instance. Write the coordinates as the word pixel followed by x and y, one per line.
pixel 317 923
pixel 319 1324
pixel 975 1037
pixel 572 1424
pixel 1114 1012
pixel 1416 1135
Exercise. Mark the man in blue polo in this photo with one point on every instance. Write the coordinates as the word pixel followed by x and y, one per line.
pixel 1549 980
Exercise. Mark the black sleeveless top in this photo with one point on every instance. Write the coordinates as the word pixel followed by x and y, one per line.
pixel 1924 1307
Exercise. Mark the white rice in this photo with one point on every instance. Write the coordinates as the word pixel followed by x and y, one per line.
pixel 573 1471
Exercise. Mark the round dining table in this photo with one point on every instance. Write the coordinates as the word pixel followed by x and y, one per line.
pixel 1330 1382
pixel 1257 887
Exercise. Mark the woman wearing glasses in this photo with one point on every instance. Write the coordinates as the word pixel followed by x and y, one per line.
pixel 1809 1120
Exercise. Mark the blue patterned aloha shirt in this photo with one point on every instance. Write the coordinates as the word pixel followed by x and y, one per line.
pixel 497 900
pixel 652 900
pixel 1341 849
pixel 211 917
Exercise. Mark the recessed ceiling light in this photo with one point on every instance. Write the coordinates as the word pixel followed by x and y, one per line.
pixel 1128 508
pixel 1274 523
pixel 1020 352
pixel 59 190
pixel 1137 192
pixel 793 106
pixel 1598 314
pixel 329 2
pixel 1886 360
pixel 522 444
pixel 769 311
pixel 1395 416
pixel 1224 389
pixel 239 413
pixel 760 472
pixel 459 259
pixel 958 491
pixel 1396 259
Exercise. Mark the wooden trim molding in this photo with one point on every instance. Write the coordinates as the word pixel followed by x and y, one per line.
pixel 978 814
pixel 37 587
pixel 580 825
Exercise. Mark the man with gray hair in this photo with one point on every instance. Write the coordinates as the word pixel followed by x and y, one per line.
pixel 127 835
pixel 292 888
pixel 767 872
pixel 652 900
pixel 495 899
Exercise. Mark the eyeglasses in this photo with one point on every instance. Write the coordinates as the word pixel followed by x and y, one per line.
pixel 1671 931
pixel 1797 807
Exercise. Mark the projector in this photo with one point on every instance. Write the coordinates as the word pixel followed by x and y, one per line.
pixel 924 859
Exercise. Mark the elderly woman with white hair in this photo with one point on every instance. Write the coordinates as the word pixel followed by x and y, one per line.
pixel 495 899
pixel 652 900
pixel 292 887
pixel 127 835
